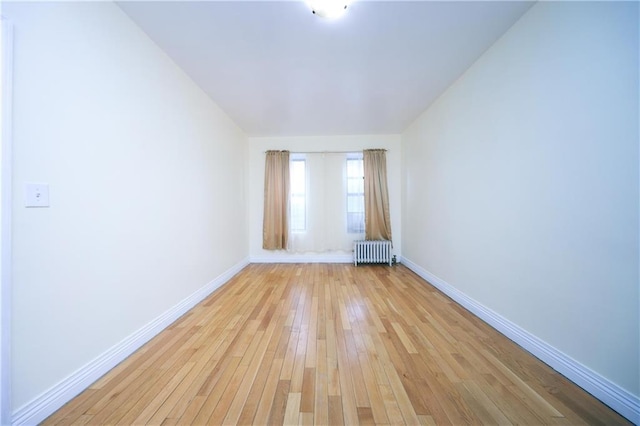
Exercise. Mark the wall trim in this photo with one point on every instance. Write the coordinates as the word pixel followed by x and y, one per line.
pixel 6 147
pixel 303 258
pixel 619 399
pixel 306 258
pixel 51 400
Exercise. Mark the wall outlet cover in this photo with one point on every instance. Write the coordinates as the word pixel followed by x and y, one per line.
pixel 36 195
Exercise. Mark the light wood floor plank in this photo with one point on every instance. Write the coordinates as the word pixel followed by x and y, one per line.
pixel 292 412
pixel 331 344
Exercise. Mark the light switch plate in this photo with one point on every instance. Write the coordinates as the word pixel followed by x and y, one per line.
pixel 36 195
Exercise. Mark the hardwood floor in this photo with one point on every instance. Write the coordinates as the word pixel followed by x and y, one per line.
pixel 331 344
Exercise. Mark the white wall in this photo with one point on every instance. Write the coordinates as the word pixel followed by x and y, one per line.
pixel 6 67
pixel 146 177
pixel 257 147
pixel 520 184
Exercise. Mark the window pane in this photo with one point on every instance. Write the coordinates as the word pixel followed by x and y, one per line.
pixel 355 204
pixel 297 176
pixel 298 213
pixel 355 222
pixel 355 186
pixel 350 168
pixel 355 195
pixel 298 195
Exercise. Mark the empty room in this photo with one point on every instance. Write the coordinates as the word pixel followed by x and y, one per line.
pixel 320 212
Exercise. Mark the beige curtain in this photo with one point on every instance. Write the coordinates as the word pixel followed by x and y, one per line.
pixel 275 225
pixel 377 222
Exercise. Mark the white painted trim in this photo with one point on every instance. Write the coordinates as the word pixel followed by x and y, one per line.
pixel 6 143
pixel 619 399
pixel 51 400
pixel 304 258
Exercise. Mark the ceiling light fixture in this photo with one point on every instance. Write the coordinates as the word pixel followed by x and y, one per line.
pixel 330 9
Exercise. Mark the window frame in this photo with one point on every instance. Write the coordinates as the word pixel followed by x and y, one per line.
pixel 303 195
pixel 360 229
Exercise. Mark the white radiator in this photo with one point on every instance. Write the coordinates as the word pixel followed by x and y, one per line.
pixel 372 252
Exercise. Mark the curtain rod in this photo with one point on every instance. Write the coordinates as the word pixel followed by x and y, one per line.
pixel 328 152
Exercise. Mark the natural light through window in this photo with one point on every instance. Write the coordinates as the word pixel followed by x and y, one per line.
pixel 355 193
pixel 298 194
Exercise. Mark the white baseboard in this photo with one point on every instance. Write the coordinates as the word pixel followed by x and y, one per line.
pixel 620 400
pixel 51 400
pixel 304 258
pixel 307 258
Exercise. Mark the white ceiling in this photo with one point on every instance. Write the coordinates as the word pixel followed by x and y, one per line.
pixel 278 70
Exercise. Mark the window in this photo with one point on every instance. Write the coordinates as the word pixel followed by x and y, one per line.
pixel 355 194
pixel 298 176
